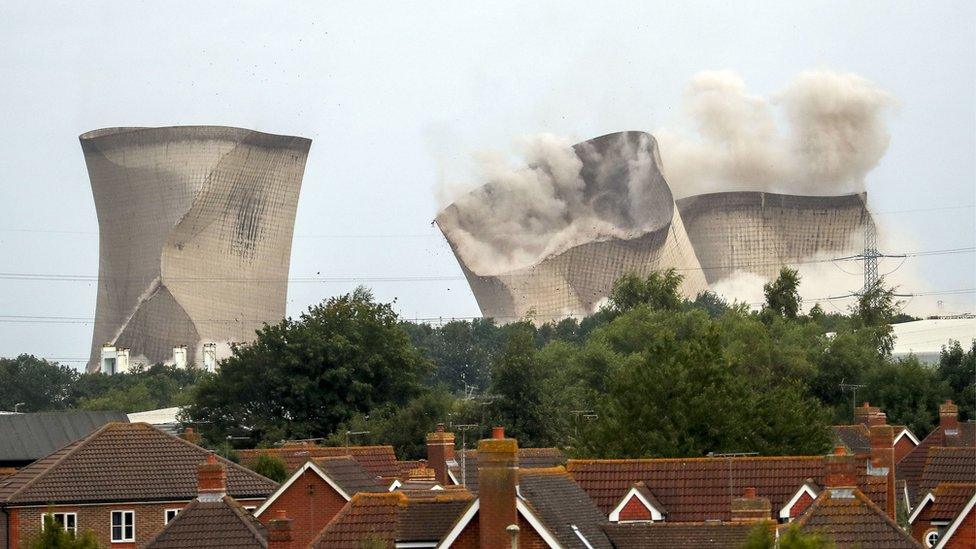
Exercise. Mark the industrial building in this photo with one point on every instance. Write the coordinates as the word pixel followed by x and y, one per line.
pixel 705 238
pixel 195 234
pixel 575 281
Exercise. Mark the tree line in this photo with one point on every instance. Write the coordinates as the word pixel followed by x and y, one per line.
pixel 650 374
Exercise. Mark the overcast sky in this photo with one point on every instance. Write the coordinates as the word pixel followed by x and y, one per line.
pixel 396 94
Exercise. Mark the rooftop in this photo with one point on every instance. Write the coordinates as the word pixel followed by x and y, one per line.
pixel 205 525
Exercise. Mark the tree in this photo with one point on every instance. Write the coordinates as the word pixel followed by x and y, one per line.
pixel 958 369
pixel 762 537
pixel 658 291
pixel 517 387
pixel 672 391
pixel 303 378
pixel 874 311
pixel 53 536
pixel 908 391
pixel 35 384
pixel 271 466
pixel 783 294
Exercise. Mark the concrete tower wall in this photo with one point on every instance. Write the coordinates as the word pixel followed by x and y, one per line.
pixel 574 282
pixel 760 232
pixel 195 228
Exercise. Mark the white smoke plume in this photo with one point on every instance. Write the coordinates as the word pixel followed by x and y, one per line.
pixel 833 133
pixel 541 205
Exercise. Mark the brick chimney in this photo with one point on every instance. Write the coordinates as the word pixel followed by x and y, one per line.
pixel 863 413
pixel 878 418
pixel 750 507
pixel 883 457
pixel 211 479
pixel 497 480
pixel 840 468
pixel 422 472
pixel 279 531
pixel 949 418
pixel 440 450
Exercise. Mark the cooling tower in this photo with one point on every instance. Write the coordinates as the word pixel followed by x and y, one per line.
pixel 759 232
pixel 195 232
pixel 617 170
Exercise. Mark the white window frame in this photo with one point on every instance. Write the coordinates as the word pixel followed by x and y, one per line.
pixel 168 519
pixel 250 508
pixel 111 525
pixel 928 534
pixel 73 529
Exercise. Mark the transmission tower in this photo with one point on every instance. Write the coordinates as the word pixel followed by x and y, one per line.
pixel 870 256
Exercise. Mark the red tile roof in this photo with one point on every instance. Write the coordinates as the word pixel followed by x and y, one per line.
pixel 528 458
pixel 124 462
pixel 379 460
pixel 700 489
pixel 947 465
pixel 209 524
pixel 700 535
pixel 848 518
pixel 393 517
pixel 950 500
pixel 911 466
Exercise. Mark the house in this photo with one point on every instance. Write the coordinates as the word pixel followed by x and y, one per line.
pixel 215 519
pixel 394 519
pixel 961 533
pixel 847 517
pixel 315 493
pixel 703 489
pixel 29 437
pixel 123 482
pixel 547 506
pixel 938 509
pixel 378 460
pixel 856 437
pixel 951 433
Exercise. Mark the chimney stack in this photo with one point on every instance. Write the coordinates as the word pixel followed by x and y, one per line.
pixel 878 418
pixel 279 531
pixel 190 435
pixel 440 451
pixel 497 481
pixel 883 457
pixel 949 418
pixel 840 468
pixel 422 473
pixel 211 479
pixel 750 507
pixel 864 413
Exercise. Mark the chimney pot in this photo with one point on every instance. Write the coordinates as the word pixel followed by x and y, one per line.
pixel 497 432
pixel 839 450
pixel 440 428
pixel 750 507
pixel 749 492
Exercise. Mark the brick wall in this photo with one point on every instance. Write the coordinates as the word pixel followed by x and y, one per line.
pixel 800 506
pixel 310 503
pixel 634 510
pixel 528 538
pixel 149 519
pixel 902 447
pixel 965 535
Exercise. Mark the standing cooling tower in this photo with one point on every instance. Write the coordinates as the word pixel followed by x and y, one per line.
pixel 759 232
pixel 625 190
pixel 195 232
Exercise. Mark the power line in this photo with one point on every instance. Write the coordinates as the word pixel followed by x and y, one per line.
pixel 54 277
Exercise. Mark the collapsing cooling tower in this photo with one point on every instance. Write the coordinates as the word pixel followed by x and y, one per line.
pixel 623 220
pixel 195 232
pixel 758 232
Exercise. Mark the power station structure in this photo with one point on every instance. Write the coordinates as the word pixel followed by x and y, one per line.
pixel 705 238
pixel 575 281
pixel 195 234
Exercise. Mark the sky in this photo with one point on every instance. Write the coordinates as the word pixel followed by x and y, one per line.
pixel 397 97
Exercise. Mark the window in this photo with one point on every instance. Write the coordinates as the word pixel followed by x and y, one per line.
pixel 931 538
pixel 170 515
pixel 250 508
pixel 68 521
pixel 123 526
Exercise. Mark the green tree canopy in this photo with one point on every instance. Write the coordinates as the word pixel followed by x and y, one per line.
pixel 271 466
pixel 659 290
pixel 35 384
pixel 303 378
pixel 783 294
